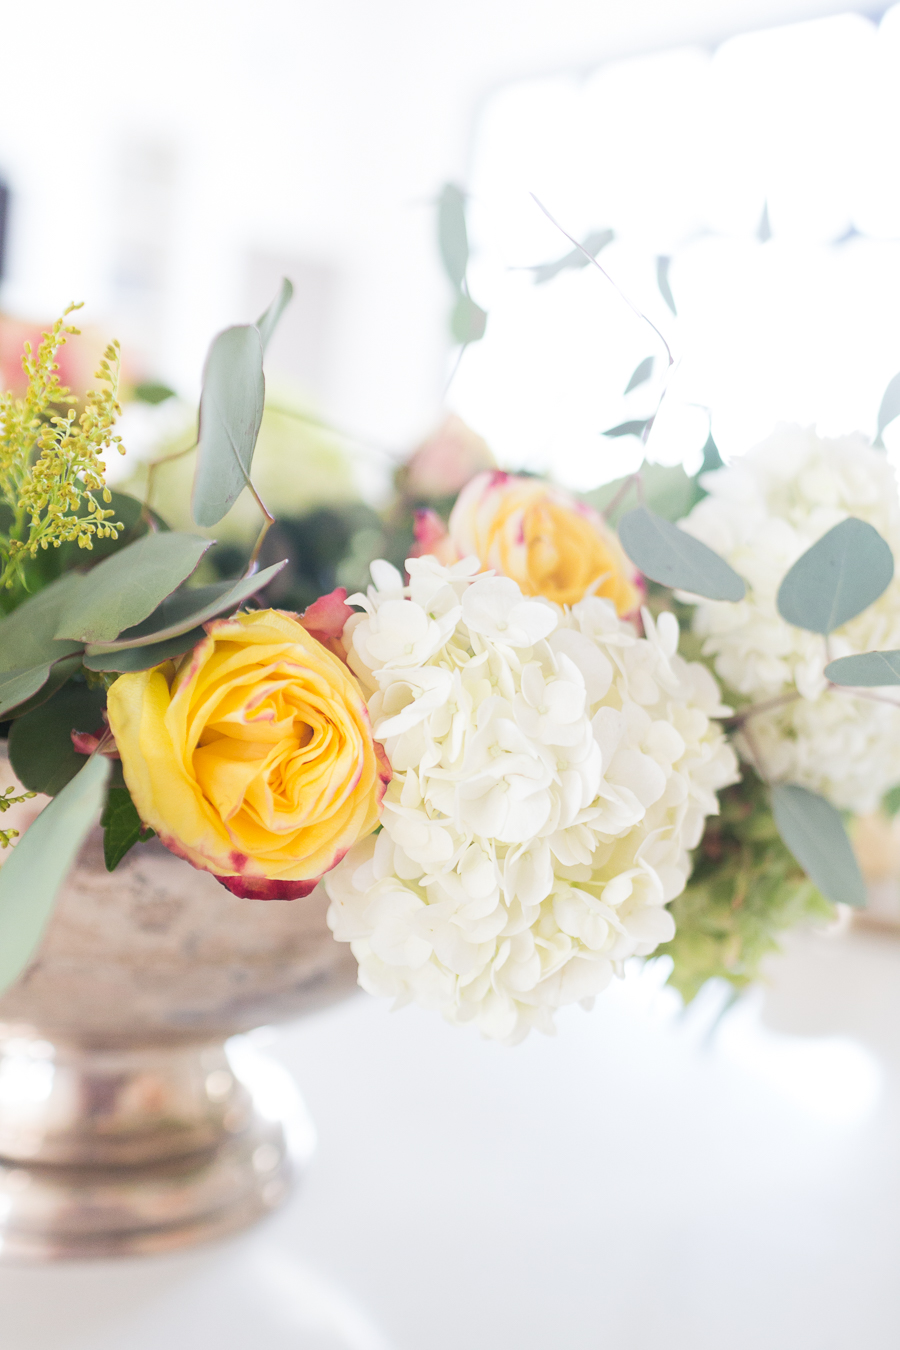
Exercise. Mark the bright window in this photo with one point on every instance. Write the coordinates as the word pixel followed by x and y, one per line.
pixel 766 171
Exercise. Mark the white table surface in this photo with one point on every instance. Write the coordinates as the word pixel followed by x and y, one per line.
pixel 641 1181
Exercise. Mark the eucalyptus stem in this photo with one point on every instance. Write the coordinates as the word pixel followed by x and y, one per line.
pixel 154 464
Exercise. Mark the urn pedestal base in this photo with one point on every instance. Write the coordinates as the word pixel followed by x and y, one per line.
pixel 135 1113
pixel 120 1152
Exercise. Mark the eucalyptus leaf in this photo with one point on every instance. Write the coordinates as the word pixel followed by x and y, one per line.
pixel 453 238
pixel 40 743
pixel 231 409
pixel 468 321
pixel 841 575
pixel 668 555
pixel 268 320
pixel 667 490
pixel 814 832
pixel 641 375
pixel 591 245
pixel 56 677
pixel 28 634
pixel 662 280
pixel 890 408
pixel 635 428
pixel 122 827
pixel 188 608
pixel 31 877
pixel 712 460
pixel 152 391
pixel 124 589
pixel 867 670
pixel 125 659
pixel 18 686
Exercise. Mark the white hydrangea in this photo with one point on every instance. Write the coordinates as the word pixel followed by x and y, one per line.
pixel 551 772
pixel 763 512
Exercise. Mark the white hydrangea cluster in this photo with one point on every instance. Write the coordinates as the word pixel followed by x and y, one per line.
pixel 763 512
pixel 551 772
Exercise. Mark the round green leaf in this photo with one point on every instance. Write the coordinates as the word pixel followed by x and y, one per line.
pixel 40 743
pixel 814 832
pixel 840 576
pixel 453 238
pixel 469 321
pixel 231 409
pixel 642 374
pixel 867 670
pixel 28 634
pixel 126 588
pixel 890 408
pixel 666 554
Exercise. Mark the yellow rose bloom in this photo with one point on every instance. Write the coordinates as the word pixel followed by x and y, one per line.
pixel 543 538
pixel 252 757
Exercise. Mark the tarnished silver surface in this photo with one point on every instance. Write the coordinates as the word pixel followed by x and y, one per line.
pixel 126 1122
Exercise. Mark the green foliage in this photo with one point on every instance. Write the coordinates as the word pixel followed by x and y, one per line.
pixel 231 410
pixel 453 238
pixel 837 578
pixel 122 826
pixel 889 410
pixel 186 608
pixel 866 670
pixel 667 491
pixel 468 320
pixel 576 258
pixel 745 891
pixel 890 802
pixel 124 590
pixel 36 868
pixel 673 558
pixel 662 280
pixel 814 832
pixel 40 743
pixel 268 320
pixel 52 484
pixel 31 659
pixel 637 427
pixel 327 547
pixel 642 373
pixel 151 391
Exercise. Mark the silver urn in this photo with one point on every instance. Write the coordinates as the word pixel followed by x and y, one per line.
pixel 134 1115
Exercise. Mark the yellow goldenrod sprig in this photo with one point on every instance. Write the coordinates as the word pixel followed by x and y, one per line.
pixel 7 799
pixel 51 468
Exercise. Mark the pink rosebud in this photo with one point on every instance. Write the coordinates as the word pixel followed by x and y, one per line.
pixel 447 460
pixel 324 620
pixel 432 538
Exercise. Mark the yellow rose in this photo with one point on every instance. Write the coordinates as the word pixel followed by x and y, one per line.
pixel 252 757
pixel 545 539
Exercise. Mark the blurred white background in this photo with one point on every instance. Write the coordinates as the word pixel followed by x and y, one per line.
pixel 168 162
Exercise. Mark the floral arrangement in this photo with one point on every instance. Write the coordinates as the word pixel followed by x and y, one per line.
pixel 567 733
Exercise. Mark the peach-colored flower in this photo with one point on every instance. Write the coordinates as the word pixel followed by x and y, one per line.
pixel 252 757
pixel 550 543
